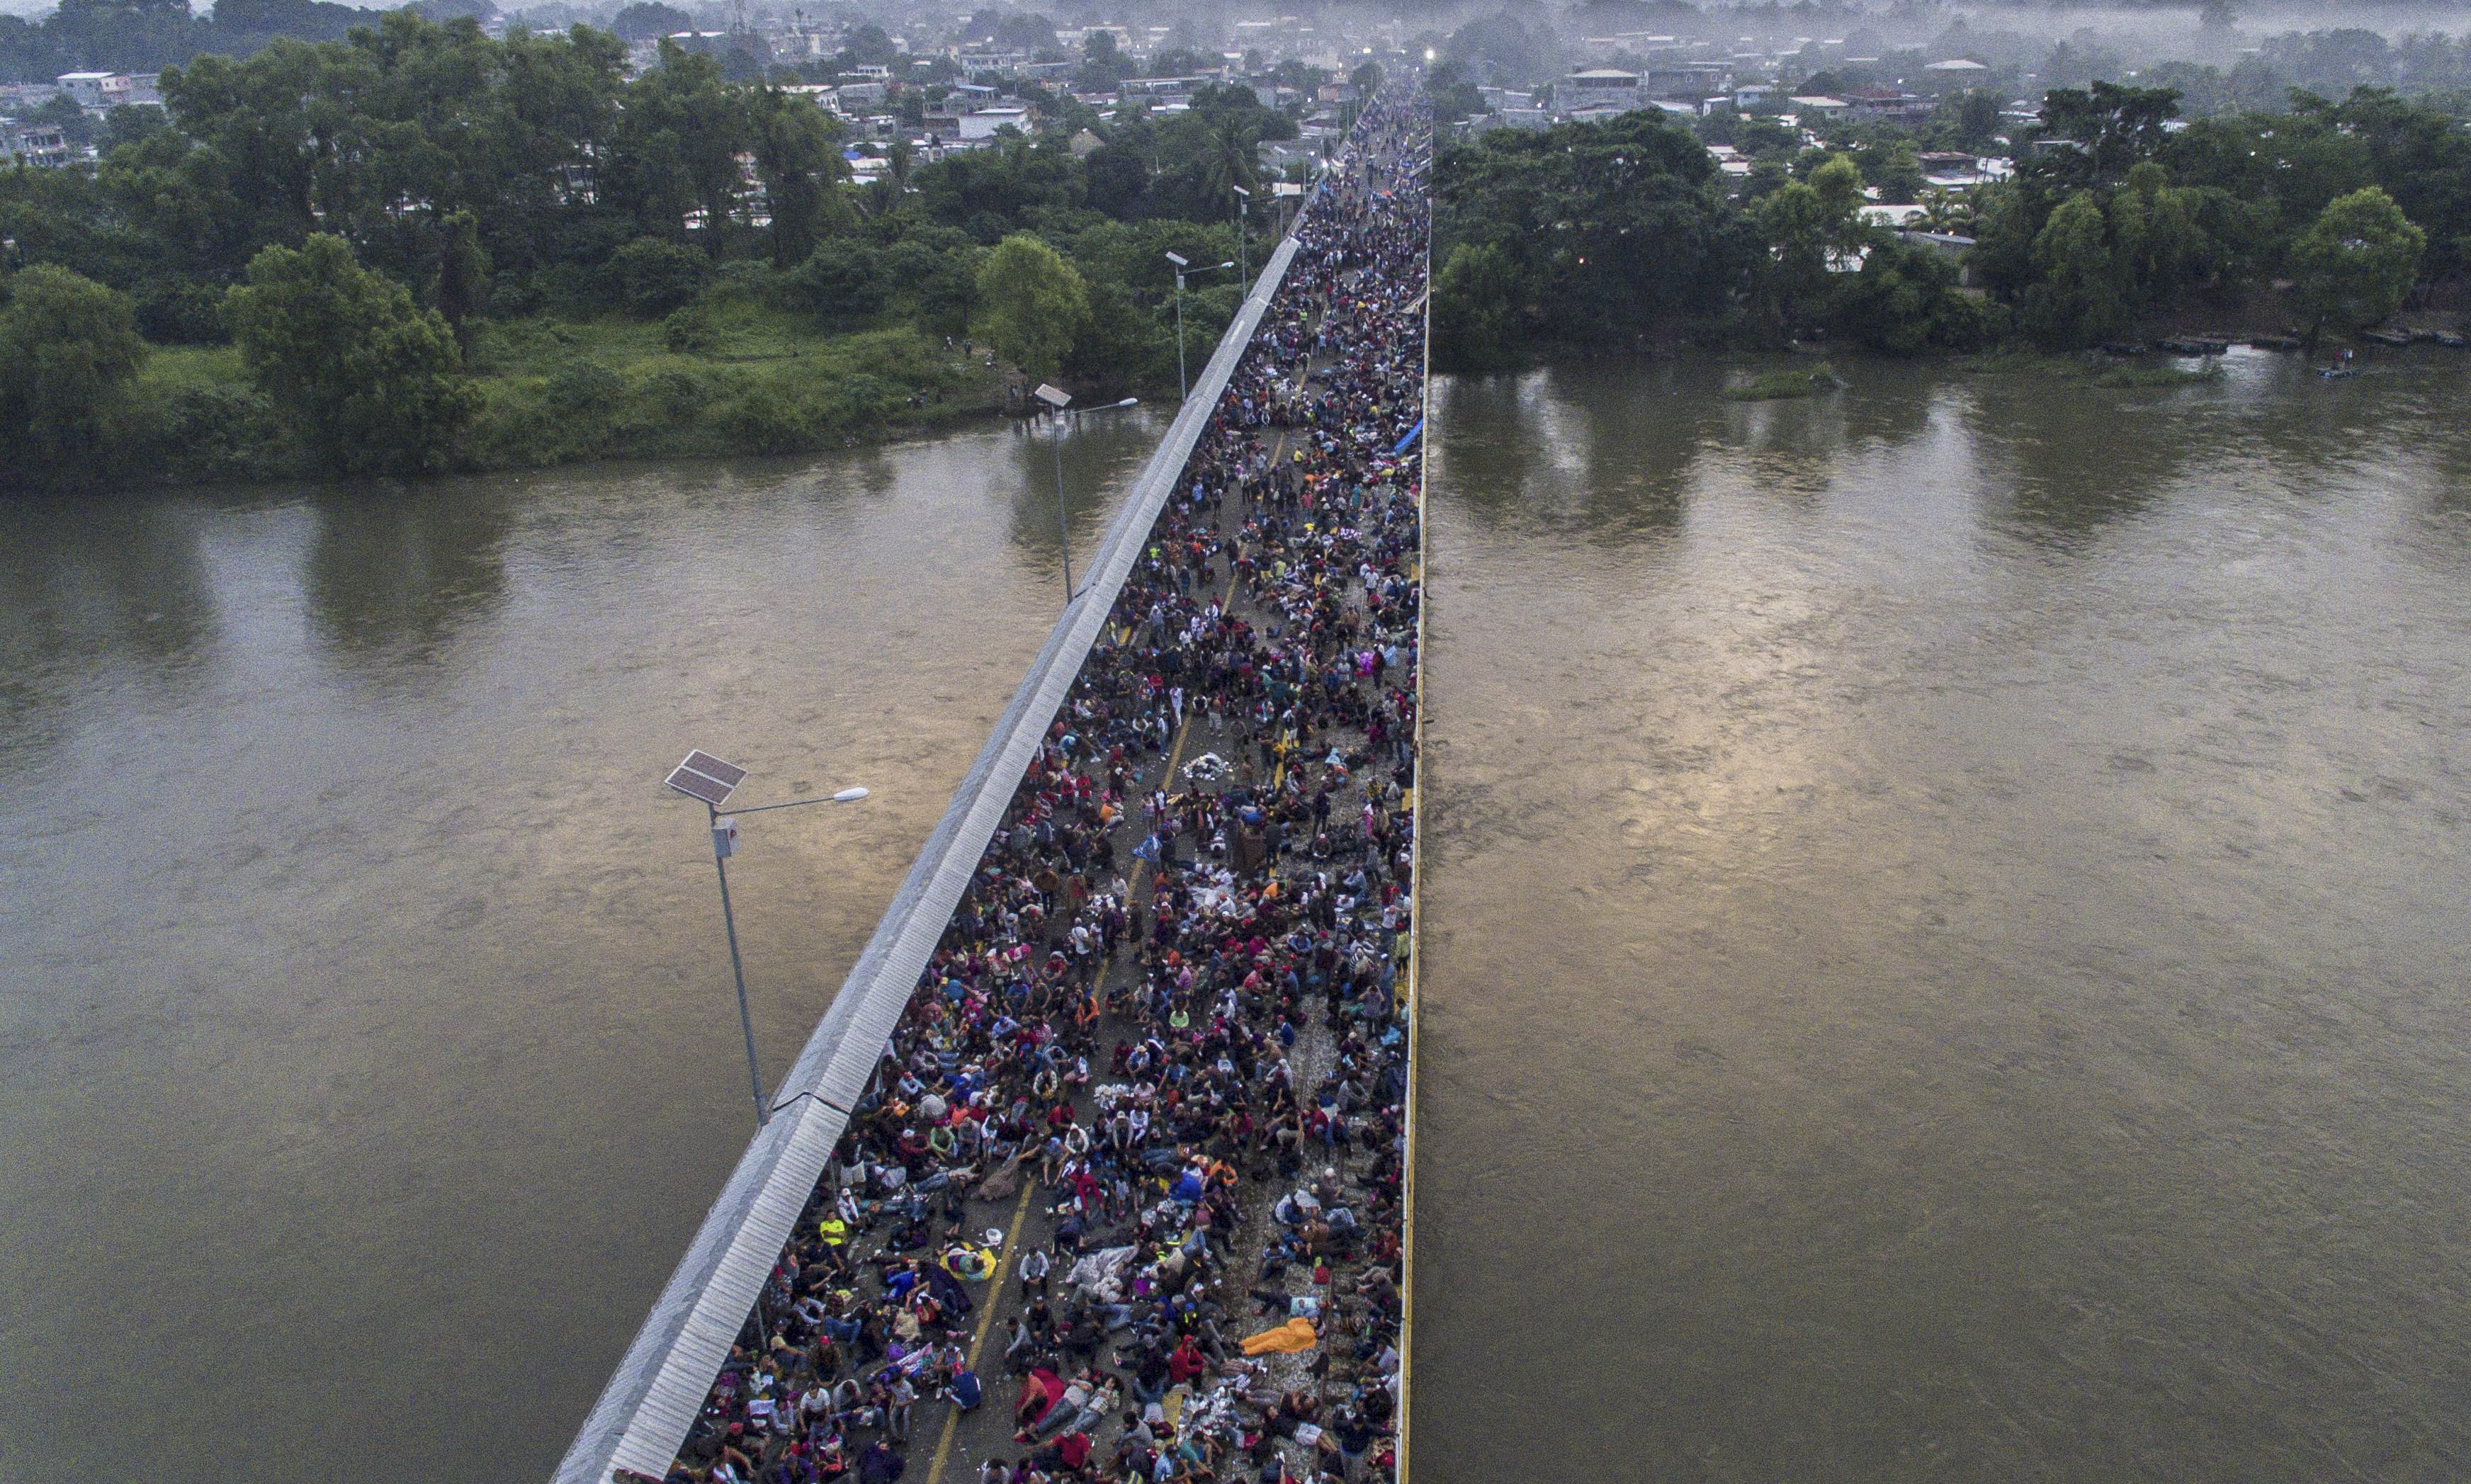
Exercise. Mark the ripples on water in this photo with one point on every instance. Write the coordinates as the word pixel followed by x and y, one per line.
pixel 367 1055
pixel 1945 904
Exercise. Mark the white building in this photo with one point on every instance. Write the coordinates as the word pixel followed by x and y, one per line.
pixel 1597 87
pixel 96 90
pixel 983 123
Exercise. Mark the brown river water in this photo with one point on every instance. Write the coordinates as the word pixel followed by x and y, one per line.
pixel 368 1051
pixel 1947 933
pixel 1944 907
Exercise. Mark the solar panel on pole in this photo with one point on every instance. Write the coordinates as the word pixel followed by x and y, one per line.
pixel 709 766
pixel 704 776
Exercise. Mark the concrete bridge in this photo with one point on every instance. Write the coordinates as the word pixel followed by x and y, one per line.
pixel 652 1401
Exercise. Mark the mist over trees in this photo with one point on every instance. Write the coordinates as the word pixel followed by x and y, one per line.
pixel 376 226
pixel 1609 234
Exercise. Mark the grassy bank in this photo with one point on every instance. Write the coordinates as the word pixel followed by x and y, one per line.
pixel 1785 383
pixel 744 378
pixel 2141 376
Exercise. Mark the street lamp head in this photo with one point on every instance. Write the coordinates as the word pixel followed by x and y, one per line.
pixel 1179 260
pixel 1053 397
pixel 849 796
pixel 1130 402
pixel 1240 191
pixel 1230 263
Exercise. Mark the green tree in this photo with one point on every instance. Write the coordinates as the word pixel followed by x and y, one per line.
pixel 675 147
pixel 462 283
pixel 643 20
pixel 364 379
pixel 1838 184
pixel 870 45
pixel 1895 171
pixel 797 154
pixel 68 350
pixel 2421 155
pixel 1972 118
pixel 2160 247
pixel 1031 304
pixel 1904 301
pixel 1792 275
pixel 60 111
pixel 2356 265
pixel 2111 126
pixel 1620 227
pixel 841 283
pixel 655 276
pixel 1454 94
pixel 2076 299
pixel 1479 299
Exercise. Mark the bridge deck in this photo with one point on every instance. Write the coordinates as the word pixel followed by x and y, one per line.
pixel 664 1385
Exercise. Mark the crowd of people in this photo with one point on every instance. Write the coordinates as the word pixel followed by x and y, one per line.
pixel 1148 1099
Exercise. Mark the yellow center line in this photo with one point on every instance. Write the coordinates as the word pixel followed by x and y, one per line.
pixel 986 1323
pixel 1030 1181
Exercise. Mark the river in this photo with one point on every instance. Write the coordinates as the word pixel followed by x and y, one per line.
pixel 368 1051
pixel 1944 905
pixel 1946 931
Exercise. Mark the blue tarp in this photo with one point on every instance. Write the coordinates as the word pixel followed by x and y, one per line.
pixel 1409 441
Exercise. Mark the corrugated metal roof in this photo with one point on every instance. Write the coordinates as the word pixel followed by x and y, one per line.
pixel 649 1406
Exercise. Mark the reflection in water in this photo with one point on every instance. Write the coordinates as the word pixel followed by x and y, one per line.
pixel 402 567
pixel 2044 481
pixel 1945 963
pixel 1535 440
pixel 126 597
pixel 1100 452
pixel 366 1045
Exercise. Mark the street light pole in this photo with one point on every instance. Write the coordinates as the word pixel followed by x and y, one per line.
pixel 1059 402
pixel 1063 522
pixel 721 849
pixel 1184 264
pixel 1243 199
pixel 711 782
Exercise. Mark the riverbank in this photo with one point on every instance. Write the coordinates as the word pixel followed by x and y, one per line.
pixel 561 391
pixel 552 391
pixel 1810 369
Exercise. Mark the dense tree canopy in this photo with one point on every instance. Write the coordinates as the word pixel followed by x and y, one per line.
pixel 68 349
pixel 2357 261
pixel 2115 214
pixel 1600 230
pixel 1032 305
pixel 365 380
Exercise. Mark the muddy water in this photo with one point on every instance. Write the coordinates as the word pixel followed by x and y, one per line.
pixel 1945 905
pixel 367 1053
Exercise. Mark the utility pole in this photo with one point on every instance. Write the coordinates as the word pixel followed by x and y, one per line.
pixel 710 782
pixel 1059 403
pixel 1182 267
pixel 1244 269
